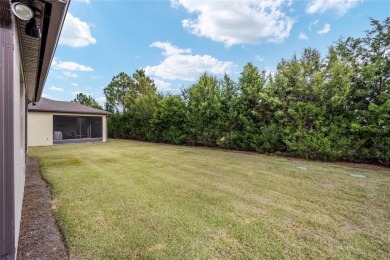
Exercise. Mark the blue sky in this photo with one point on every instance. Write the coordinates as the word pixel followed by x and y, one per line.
pixel 175 41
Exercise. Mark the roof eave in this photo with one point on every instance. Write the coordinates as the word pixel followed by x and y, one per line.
pixel 59 9
pixel 69 112
pixel 51 22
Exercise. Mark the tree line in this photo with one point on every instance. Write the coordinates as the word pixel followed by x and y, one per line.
pixel 329 108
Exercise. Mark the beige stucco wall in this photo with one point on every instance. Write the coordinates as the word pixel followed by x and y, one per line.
pixel 19 138
pixel 40 129
pixel 105 129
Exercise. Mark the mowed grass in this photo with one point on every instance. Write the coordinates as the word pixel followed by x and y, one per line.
pixel 128 199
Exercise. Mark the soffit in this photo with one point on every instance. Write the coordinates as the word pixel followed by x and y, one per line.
pixel 37 54
pixel 30 49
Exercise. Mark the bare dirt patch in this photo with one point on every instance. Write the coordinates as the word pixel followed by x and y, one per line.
pixel 39 237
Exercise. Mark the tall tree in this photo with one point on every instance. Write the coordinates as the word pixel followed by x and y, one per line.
pixel 229 93
pixel 141 113
pixel 169 120
pixel 368 101
pixel 83 99
pixel 123 90
pixel 248 107
pixel 116 93
pixel 140 85
pixel 203 111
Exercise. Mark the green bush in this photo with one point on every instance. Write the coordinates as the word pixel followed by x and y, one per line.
pixel 333 108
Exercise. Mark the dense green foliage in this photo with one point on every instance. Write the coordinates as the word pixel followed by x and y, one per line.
pixel 329 108
pixel 85 100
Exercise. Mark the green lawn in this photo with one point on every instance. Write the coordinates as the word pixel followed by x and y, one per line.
pixel 127 199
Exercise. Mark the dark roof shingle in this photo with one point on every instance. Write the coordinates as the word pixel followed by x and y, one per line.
pixel 48 105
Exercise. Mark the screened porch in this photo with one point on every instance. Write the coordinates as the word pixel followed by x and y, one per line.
pixel 77 129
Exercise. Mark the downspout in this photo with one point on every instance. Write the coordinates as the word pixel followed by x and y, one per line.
pixel 26 128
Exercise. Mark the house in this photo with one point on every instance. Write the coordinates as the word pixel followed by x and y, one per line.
pixel 29 33
pixel 60 122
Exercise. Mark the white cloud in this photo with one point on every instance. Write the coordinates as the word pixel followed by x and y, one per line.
pixel 76 33
pixel 69 65
pixel 162 85
pixel 340 6
pixel 325 29
pixel 303 36
pixel 169 49
pixel 238 22
pixel 179 64
pixel 70 74
pixel 74 84
pixel 84 1
pixel 259 58
pixel 60 77
pixel 56 88
pixel 313 24
pixel 44 95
